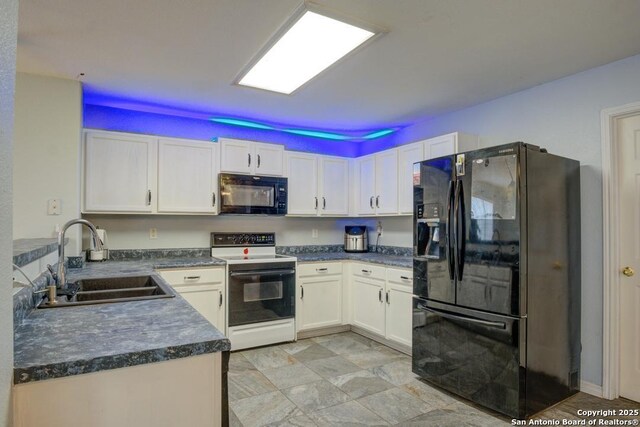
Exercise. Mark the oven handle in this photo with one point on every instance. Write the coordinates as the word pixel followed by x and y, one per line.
pixel 499 325
pixel 258 272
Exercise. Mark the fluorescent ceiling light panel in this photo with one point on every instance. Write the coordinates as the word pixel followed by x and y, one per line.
pixel 311 45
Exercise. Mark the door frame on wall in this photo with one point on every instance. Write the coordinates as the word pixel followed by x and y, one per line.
pixel 610 248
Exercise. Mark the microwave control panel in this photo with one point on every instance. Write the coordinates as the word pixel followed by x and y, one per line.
pixel 242 239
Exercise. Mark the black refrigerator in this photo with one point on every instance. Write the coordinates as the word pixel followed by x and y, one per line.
pixel 496 307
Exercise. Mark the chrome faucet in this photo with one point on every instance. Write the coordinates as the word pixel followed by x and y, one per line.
pixel 60 276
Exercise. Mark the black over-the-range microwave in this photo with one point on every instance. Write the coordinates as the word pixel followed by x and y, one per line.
pixel 252 194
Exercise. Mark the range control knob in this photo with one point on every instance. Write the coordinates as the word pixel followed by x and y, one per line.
pixel 252 239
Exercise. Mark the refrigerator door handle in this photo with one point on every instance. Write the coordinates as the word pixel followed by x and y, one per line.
pixel 450 227
pixel 460 229
pixel 447 315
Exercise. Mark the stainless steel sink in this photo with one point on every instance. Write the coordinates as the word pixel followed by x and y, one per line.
pixel 112 289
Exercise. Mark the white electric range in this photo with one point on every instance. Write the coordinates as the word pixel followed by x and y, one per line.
pixel 260 289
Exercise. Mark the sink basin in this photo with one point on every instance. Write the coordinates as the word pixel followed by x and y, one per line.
pixel 112 289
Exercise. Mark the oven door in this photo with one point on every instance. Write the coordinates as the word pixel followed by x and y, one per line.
pixel 245 194
pixel 261 292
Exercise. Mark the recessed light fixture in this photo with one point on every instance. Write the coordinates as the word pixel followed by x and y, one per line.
pixel 307 45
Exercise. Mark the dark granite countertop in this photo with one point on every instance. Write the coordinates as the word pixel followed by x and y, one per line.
pixel 60 342
pixel 26 251
pixel 375 258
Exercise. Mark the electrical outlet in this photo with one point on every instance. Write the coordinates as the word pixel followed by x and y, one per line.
pixel 314 233
pixel 53 207
pixel 153 233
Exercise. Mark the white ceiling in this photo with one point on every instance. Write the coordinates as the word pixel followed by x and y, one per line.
pixel 438 55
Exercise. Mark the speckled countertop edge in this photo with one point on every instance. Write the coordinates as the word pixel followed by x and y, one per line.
pixel 26 251
pixel 68 341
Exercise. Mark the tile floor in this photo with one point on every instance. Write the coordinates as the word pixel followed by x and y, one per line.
pixel 347 380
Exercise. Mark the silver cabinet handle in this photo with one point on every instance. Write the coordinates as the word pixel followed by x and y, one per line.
pixel 404 277
pixel 371 202
pixel 249 157
pixel 258 160
pixel 213 199
pixel 148 197
pixel 366 271
pixel 387 297
pixel 301 292
pixel 220 303
pixel 380 294
pixel 377 201
pixel 324 203
pixel 191 277
pixel 316 202
pixel 322 270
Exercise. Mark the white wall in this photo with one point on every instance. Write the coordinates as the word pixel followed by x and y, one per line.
pixel 132 232
pixel 564 117
pixel 48 123
pixel 8 39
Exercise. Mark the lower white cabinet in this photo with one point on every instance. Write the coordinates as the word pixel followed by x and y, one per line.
pixel 204 289
pixel 319 295
pixel 382 301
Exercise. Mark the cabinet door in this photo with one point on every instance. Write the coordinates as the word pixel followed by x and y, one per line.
pixel 334 186
pixel 407 156
pixel 119 173
pixel 399 313
pixel 208 300
pixel 386 200
pixel 236 156
pixel 320 302
pixel 366 170
pixel 269 159
pixel 302 170
pixel 440 146
pixel 368 304
pixel 187 176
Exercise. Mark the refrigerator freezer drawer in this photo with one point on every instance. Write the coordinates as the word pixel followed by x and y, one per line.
pixel 475 355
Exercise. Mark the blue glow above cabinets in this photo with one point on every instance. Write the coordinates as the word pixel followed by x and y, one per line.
pixel 110 113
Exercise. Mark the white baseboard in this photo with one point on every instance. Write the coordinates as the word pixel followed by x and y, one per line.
pixel 590 388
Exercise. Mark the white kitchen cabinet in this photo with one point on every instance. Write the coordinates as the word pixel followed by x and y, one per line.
pixel 302 171
pixel 407 156
pixel 366 184
pixel 204 289
pixel 399 301
pixel 452 143
pixel 320 295
pixel 318 185
pixel 377 184
pixel 367 294
pixel 187 176
pixel 247 157
pixel 119 172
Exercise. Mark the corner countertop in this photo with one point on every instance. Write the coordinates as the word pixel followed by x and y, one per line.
pixel 60 342
pixel 375 258
pixel 29 250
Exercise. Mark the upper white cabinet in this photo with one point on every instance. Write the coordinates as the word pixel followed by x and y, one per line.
pixel 187 176
pixel 446 145
pixel 119 172
pixel 318 185
pixel 407 156
pixel 247 157
pixel 377 183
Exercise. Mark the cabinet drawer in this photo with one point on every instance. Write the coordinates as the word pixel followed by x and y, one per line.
pixel 369 270
pixel 193 276
pixel 319 268
pixel 401 276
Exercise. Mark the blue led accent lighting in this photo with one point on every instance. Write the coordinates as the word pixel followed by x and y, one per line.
pixel 243 123
pixel 318 134
pixel 379 134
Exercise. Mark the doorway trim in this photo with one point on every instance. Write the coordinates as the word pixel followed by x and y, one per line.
pixel 611 256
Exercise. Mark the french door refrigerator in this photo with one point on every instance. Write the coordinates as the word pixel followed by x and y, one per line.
pixel 496 307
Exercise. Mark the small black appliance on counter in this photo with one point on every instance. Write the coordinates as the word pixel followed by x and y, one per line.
pixel 356 238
